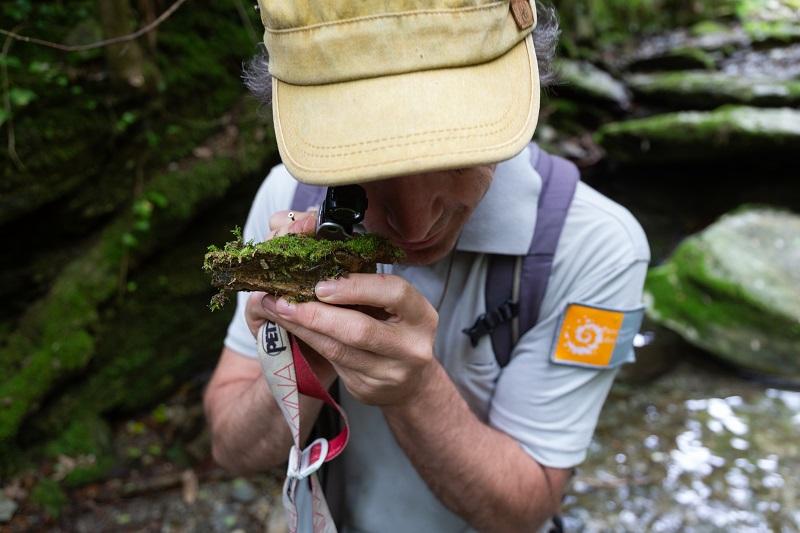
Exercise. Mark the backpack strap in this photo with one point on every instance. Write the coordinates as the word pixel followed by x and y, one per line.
pixel 307 196
pixel 516 285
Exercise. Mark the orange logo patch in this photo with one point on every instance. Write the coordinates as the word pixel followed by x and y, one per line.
pixel 588 336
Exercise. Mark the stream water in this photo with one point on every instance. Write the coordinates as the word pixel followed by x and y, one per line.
pixel 695 450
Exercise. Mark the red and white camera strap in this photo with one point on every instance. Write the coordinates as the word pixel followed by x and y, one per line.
pixel 288 375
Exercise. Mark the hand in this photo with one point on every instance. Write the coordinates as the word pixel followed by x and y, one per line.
pixel 281 224
pixel 380 361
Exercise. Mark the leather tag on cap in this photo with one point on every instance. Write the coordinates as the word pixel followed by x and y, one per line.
pixel 522 12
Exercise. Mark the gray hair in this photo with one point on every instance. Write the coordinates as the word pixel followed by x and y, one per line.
pixel 257 79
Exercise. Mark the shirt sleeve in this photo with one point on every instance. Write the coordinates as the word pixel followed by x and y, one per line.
pixel 275 194
pixel 551 409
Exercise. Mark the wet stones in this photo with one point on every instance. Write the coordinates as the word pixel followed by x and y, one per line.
pixel 7 509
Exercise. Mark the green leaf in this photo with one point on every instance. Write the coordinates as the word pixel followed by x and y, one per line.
pixel 142 225
pixel 129 240
pixel 39 67
pixel 159 199
pixel 21 97
pixel 142 208
pixel 4 116
pixel 10 61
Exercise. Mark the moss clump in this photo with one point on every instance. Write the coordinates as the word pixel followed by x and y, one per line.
pixel 48 495
pixel 291 265
pixel 87 440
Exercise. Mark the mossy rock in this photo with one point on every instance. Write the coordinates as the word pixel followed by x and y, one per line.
pixel 54 341
pixel 729 133
pixel 583 80
pixel 734 290
pixel 291 265
pixel 707 90
pixel 773 33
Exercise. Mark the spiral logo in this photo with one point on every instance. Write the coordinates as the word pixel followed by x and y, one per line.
pixel 586 338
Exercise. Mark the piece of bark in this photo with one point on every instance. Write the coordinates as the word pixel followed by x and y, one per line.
pixel 291 265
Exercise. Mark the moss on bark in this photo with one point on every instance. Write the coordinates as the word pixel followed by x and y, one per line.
pixel 291 265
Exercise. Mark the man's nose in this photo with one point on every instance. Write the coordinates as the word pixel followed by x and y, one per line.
pixel 412 214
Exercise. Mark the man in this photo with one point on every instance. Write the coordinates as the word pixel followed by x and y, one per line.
pixel 430 108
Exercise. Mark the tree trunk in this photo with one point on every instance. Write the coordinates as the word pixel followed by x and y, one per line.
pixel 127 62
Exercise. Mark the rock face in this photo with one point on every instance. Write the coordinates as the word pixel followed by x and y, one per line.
pixel 734 290
pixel 728 132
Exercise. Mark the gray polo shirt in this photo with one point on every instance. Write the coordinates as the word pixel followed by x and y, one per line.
pixel 550 409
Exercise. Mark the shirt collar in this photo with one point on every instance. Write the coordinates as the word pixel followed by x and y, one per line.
pixel 503 222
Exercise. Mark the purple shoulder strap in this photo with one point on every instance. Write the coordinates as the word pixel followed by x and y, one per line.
pixel 307 196
pixel 515 286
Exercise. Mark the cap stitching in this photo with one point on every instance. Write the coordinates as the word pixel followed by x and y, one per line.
pixel 383 163
pixel 401 145
pixel 383 16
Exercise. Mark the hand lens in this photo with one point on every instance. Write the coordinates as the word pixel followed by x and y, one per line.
pixel 343 208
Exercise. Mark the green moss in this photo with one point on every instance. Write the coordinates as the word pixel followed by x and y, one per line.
pixel 88 435
pixel 773 31
pixel 708 27
pixel 87 439
pixel 297 248
pixel 48 495
pixel 76 116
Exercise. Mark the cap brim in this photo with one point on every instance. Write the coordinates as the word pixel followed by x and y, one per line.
pixel 376 128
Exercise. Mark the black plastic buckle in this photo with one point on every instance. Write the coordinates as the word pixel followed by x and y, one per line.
pixel 489 321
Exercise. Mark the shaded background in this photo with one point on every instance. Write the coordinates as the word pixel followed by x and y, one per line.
pixel 121 163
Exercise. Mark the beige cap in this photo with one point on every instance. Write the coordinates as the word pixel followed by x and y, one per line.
pixel 362 91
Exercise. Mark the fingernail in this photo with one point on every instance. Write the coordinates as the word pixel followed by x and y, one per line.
pixel 325 288
pixel 284 308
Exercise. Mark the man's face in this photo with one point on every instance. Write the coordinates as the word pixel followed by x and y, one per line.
pixel 424 213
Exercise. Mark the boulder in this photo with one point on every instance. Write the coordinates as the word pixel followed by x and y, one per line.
pixel 734 290
pixel 707 90
pixel 730 133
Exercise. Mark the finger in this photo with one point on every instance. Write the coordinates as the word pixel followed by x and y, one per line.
pixel 300 222
pixel 255 313
pixel 392 293
pixel 348 326
pixel 281 218
pixel 336 352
